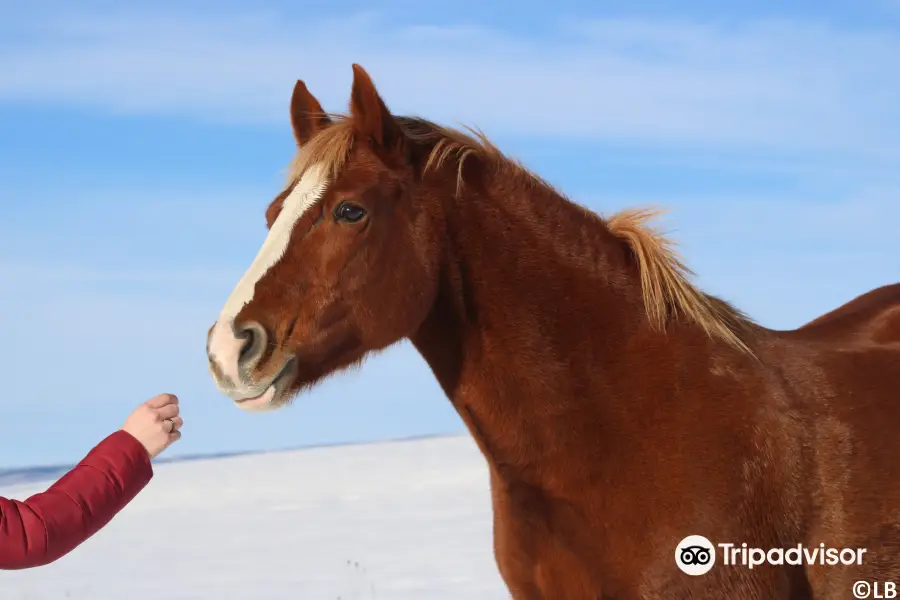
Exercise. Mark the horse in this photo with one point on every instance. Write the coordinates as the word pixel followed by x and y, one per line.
pixel 621 410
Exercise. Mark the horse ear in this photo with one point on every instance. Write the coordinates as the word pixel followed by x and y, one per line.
pixel 371 116
pixel 307 115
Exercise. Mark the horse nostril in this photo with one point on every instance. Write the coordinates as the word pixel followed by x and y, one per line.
pixel 254 341
pixel 247 335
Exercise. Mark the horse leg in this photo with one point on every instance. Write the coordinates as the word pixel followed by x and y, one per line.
pixel 531 550
pixel 515 568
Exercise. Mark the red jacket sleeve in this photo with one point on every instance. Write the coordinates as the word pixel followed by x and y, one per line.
pixel 51 524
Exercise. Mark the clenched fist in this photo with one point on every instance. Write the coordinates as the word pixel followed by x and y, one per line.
pixel 155 423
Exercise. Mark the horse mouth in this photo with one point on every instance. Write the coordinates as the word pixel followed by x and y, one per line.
pixel 273 395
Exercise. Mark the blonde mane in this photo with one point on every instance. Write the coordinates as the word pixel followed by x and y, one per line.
pixel 667 290
pixel 665 280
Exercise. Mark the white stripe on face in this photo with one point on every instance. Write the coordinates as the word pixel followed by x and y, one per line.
pixel 224 347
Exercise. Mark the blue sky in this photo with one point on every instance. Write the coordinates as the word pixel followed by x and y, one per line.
pixel 140 144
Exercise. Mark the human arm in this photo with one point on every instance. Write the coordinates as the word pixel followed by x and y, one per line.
pixel 49 525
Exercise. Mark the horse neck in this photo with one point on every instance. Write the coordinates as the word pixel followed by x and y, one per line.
pixel 534 308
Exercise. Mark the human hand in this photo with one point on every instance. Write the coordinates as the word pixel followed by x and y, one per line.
pixel 155 423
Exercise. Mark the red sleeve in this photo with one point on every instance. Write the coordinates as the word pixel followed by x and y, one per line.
pixel 49 525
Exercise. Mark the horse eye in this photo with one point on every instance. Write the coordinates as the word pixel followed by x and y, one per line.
pixel 349 212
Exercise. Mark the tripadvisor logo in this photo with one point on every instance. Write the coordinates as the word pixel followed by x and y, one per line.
pixel 745 556
pixel 695 555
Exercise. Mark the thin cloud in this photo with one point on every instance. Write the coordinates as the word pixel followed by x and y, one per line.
pixel 38 273
pixel 779 86
pixel 866 218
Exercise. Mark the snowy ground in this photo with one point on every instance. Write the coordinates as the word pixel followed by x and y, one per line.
pixel 401 520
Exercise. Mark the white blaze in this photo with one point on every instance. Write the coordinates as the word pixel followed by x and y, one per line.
pixel 224 347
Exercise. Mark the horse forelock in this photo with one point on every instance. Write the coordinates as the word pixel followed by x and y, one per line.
pixel 330 148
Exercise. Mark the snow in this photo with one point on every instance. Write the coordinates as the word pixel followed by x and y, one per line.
pixel 397 520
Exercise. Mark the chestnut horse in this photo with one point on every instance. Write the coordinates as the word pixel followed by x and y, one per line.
pixel 619 408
